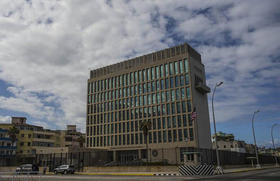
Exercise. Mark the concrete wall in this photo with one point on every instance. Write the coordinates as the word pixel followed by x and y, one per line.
pixel 132 169
pixel 200 101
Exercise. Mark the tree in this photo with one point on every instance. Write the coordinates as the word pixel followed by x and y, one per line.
pixel 145 126
pixel 12 132
pixel 81 140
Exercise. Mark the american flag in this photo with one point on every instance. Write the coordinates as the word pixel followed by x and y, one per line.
pixel 194 114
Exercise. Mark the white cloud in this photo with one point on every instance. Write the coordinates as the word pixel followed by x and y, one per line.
pixel 47 48
pixel 5 119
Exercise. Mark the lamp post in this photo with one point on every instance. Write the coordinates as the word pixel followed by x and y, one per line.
pixel 256 150
pixel 219 168
pixel 276 164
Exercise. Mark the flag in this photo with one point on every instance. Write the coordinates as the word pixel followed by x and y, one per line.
pixel 194 114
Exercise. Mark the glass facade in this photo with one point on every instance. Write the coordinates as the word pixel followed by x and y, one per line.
pixel 118 104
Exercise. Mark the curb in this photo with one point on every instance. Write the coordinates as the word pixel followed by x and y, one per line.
pixel 249 169
pixel 117 174
pixel 166 174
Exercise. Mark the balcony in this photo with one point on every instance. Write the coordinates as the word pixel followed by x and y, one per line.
pixel 204 89
pixel 8 147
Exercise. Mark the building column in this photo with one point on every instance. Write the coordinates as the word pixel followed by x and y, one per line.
pixel 139 154
pixel 114 155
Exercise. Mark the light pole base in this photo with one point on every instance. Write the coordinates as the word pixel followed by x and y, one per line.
pixel 219 170
pixel 258 166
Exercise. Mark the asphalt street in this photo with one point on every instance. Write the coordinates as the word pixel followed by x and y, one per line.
pixel 259 175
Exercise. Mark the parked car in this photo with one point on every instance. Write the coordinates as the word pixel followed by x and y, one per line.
pixel 65 169
pixel 27 169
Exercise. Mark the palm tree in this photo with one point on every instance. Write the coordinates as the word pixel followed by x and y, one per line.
pixel 12 132
pixel 145 126
pixel 81 140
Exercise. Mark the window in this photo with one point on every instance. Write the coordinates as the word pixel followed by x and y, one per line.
pixel 124 140
pixel 190 120
pixel 184 120
pixel 186 135
pixel 179 121
pixel 154 137
pixel 157 72
pixel 135 77
pixel 188 93
pixel 176 81
pixel 162 97
pixel 173 122
pixel 157 85
pixel 181 68
pixel 167 96
pixel 136 138
pixel 173 108
pixel 186 65
pixel 164 136
pixel 168 122
pixel 174 135
pixel 178 94
pixel 189 106
pixel 191 134
pixel 159 137
pixel 183 93
pixel 132 138
pixel 163 123
pixel 169 136
pixel 166 70
pixel 167 109
pixel 144 75
pixel 171 82
pixel 173 95
pixel 187 79
pixel 166 83
pixel 178 107
pixel 180 135
pixel 158 123
pixel 141 138
pixel 183 106
pixel 171 71
pixel 176 67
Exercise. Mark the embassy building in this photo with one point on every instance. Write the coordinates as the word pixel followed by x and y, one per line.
pixel 164 88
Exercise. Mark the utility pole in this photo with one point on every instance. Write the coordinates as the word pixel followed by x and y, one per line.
pixel 219 168
pixel 276 164
pixel 256 148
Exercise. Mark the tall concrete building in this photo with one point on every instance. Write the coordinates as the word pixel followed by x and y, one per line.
pixel 162 87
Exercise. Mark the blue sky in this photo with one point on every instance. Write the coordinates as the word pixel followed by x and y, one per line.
pixel 48 47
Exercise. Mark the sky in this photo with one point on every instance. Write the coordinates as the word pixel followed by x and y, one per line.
pixel 48 47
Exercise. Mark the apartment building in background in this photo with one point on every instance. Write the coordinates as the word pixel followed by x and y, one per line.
pixel 164 88
pixel 32 139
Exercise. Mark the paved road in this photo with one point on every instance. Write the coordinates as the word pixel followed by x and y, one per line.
pixel 260 175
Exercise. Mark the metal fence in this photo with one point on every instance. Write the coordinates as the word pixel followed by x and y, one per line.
pixel 167 156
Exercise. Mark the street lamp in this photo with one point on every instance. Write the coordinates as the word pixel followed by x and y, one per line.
pixel 256 150
pixel 276 164
pixel 219 168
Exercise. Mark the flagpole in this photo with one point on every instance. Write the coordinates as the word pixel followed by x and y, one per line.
pixel 194 118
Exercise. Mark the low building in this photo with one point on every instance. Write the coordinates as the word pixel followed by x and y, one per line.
pixel 228 143
pixel 7 147
pixel 32 139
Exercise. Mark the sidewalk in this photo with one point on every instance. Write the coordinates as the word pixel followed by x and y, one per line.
pixel 247 169
pixel 226 171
